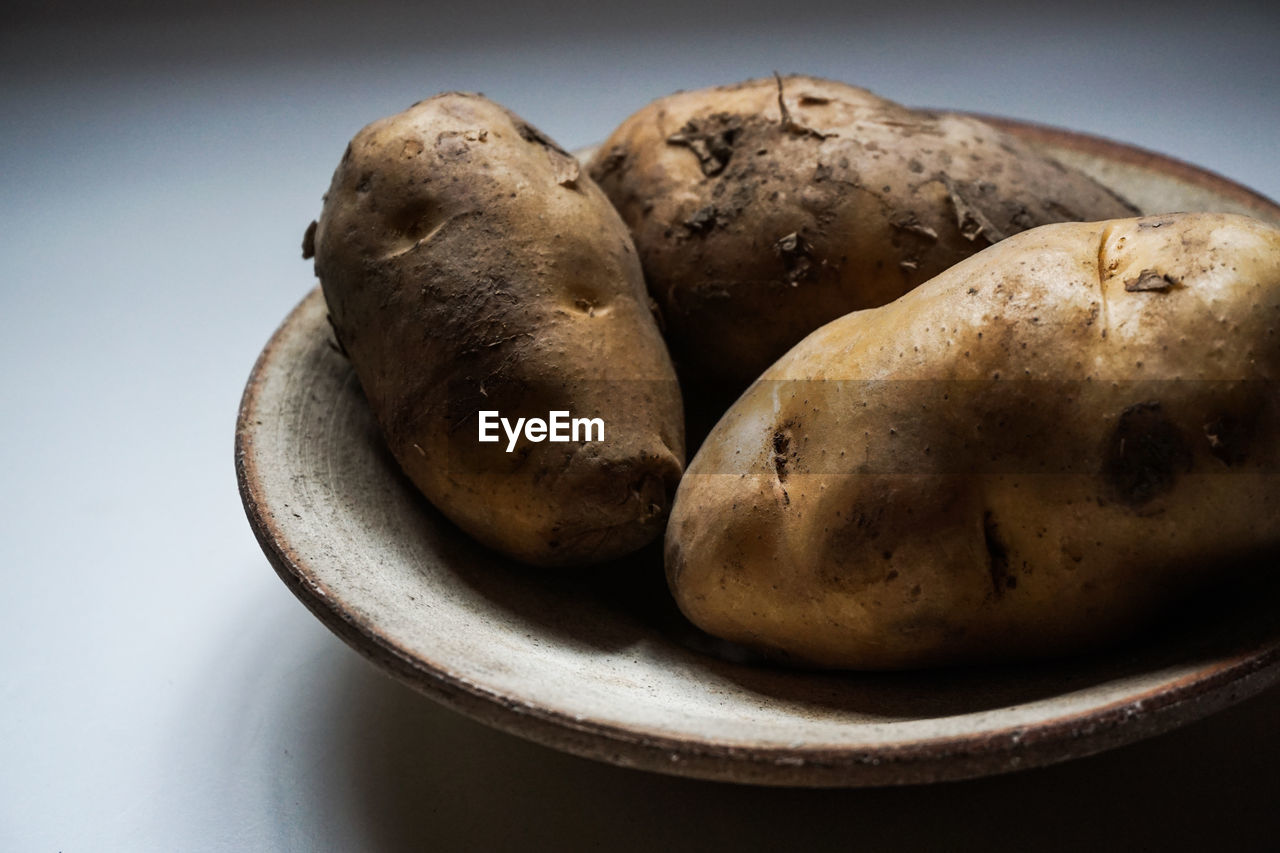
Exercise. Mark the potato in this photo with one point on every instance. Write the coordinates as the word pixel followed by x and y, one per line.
pixel 469 267
pixel 765 209
pixel 1028 455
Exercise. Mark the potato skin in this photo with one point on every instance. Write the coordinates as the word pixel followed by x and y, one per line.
pixel 1025 456
pixel 755 226
pixel 467 266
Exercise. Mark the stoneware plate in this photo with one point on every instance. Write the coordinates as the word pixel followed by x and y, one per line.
pixel 600 663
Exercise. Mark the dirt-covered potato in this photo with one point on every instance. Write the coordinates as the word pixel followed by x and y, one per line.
pixel 469 267
pixel 765 209
pixel 1027 455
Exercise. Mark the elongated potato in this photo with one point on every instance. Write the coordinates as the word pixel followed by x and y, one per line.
pixel 765 209
pixel 469 267
pixel 1027 455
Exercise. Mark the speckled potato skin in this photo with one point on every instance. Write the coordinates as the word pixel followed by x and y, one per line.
pixel 467 266
pixel 755 227
pixel 1028 455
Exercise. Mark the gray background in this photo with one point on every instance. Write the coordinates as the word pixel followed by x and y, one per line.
pixel 162 690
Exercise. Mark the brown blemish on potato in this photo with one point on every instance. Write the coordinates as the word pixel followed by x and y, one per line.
pixel 970 218
pixel 997 555
pixel 612 161
pixel 781 448
pixel 452 146
pixel 789 123
pixel 796 255
pixel 702 220
pixel 710 139
pixel 867 523
pixel 1150 280
pixel 568 170
pixel 566 166
pixel 1229 437
pixel 1145 454
pixel 912 224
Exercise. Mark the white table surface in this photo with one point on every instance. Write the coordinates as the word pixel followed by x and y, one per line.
pixel 162 690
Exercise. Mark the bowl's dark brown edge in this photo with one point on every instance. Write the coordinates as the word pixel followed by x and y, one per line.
pixel 1161 709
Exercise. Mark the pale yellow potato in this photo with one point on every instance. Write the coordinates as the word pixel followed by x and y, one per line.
pixel 469 266
pixel 1027 455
